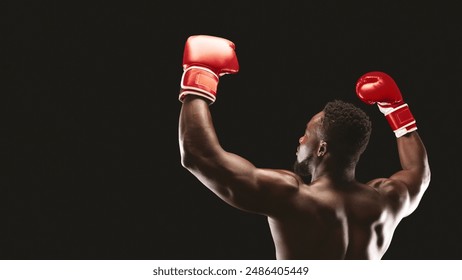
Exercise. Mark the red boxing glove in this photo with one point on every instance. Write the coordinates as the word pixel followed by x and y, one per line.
pixel 378 87
pixel 205 59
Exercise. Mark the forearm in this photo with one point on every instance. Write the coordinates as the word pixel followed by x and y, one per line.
pixel 412 152
pixel 197 136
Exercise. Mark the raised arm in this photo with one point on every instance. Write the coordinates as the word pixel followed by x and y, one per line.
pixel 231 177
pixel 407 186
pixel 415 173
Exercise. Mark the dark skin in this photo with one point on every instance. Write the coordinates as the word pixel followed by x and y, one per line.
pixel 332 217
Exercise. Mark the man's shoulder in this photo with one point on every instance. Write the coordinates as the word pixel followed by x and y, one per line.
pixel 378 182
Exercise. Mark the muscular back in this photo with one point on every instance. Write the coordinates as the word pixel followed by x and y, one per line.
pixel 323 221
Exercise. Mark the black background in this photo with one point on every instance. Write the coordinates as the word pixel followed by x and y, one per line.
pixel 90 165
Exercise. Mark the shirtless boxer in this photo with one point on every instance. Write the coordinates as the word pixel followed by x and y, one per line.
pixel 333 216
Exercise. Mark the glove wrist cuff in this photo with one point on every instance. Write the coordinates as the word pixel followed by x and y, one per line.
pixel 199 81
pixel 405 130
pixel 400 119
pixel 183 93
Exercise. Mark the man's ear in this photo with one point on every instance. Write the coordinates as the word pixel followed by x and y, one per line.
pixel 322 148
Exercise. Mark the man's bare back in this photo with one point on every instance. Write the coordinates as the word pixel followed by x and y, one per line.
pixel 325 221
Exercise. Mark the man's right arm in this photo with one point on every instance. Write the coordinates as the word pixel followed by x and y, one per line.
pixel 414 177
pixel 405 188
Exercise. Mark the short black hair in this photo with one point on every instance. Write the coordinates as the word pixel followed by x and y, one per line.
pixel 346 128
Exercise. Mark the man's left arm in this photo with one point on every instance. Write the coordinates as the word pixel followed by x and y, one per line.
pixel 231 177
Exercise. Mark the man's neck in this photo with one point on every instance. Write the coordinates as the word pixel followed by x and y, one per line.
pixel 334 172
